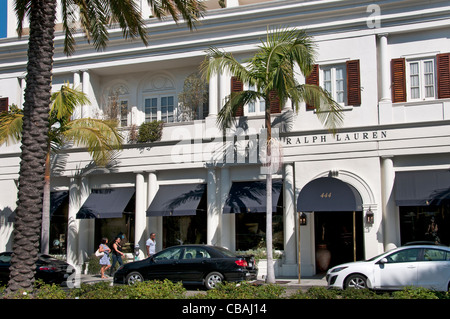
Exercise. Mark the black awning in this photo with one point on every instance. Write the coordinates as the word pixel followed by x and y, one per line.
pixel 422 188
pixel 328 194
pixel 106 203
pixel 250 197
pixel 56 200
pixel 178 200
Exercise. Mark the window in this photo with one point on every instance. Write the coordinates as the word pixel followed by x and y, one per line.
pixel 435 255
pixel 123 113
pixel 4 104
pixel 151 109
pixel 334 82
pixel 420 79
pixel 256 107
pixel 171 253
pixel 195 253
pixel 161 108
pixel 342 81
pixel 407 255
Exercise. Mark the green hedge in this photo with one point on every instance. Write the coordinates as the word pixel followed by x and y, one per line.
pixel 169 290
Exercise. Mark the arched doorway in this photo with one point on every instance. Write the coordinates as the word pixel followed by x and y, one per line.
pixel 338 221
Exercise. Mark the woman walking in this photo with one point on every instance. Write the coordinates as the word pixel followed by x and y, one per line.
pixel 104 260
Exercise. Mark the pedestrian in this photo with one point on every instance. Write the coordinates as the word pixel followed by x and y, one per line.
pixel 151 245
pixel 104 260
pixel 116 254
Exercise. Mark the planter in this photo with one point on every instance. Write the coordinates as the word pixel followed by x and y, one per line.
pixel 262 268
pixel 323 257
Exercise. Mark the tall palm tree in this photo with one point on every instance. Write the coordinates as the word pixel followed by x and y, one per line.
pixel 271 71
pixel 94 17
pixel 100 137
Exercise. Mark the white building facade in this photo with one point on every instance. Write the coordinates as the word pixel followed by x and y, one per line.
pixel 372 186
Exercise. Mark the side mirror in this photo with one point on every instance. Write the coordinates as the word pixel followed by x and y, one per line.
pixel 383 261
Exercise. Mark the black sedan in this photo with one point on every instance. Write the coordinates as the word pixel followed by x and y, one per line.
pixel 190 264
pixel 48 268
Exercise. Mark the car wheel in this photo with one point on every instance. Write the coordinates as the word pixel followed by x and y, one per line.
pixel 133 278
pixel 356 281
pixel 212 279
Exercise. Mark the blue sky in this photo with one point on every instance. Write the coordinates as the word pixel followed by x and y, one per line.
pixel 3 18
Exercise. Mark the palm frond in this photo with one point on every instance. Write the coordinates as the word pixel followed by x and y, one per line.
pixel 98 136
pixel 327 110
pixel 233 103
pixel 216 61
pixel 66 100
pixel 190 10
pixel 11 126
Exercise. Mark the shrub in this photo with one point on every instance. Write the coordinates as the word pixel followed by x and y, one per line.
pixel 150 132
pixel 244 290
pixel 415 293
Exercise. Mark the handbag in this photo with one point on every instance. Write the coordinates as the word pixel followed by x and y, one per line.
pixel 99 254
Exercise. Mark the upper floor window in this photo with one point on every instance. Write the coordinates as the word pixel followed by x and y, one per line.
pixel 257 107
pixel 334 82
pixel 161 108
pixel 420 79
pixel 341 81
pixel 158 94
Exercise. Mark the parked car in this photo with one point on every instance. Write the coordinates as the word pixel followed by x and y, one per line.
pixel 425 266
pixel 48 268
pixel 190 264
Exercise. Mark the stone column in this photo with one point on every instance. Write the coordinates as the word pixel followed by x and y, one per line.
pixel 155 224
pixel 213 218
pixel 385 114
pixel 213 94
pixel 290 251
pixel 86 85
pixel 228 229
pixel 85 226
pixel 140 217
pixel 72 222
pixel 390 213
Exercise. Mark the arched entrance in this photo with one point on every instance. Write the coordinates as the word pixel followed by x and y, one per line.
pixel 338 220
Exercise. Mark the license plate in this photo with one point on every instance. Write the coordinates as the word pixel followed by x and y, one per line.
pixel 250 264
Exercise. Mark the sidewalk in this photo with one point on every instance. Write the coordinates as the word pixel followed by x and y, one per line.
pixel 292 283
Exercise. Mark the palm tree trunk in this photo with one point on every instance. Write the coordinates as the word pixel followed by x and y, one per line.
pixel 270 270
pixel 27 224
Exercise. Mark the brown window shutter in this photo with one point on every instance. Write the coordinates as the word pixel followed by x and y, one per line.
pixel 313 78
pixel 398 79
pixel 275 106
pixel 443 75
pixel 4 104
pixel 237 86
pixel 353 83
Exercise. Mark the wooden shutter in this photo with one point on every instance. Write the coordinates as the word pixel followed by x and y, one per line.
pixel 313 79
pixel 398 79
pixel 237 86
pixel 353 83
pixel 275 106
pixel 4 104
pixel 443 75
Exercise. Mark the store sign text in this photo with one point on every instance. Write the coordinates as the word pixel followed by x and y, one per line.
pixel 339 137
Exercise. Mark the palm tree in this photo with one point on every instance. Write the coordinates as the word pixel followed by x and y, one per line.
pixel 94 17
pixel 271 71
pixel 100 137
